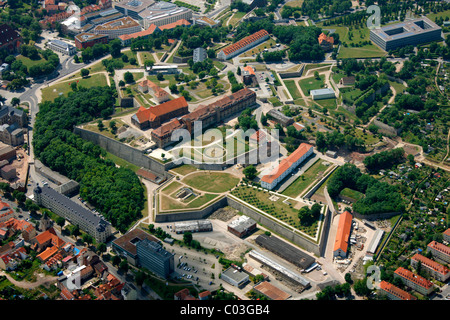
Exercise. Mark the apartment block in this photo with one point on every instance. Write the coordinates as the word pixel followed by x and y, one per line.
pixel 439 251
pixel 63 206
pixel 434 269
pixel 395 293
pixel 414 281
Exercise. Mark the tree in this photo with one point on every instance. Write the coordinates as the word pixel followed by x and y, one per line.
pixel 60 221
pixel 250 172
pixel 87 238
pixel 114 48
pixel 187 238
pixel 76 231
pixel 128 77
pixel 123 266
pixel 348 278
pixel 15 101
pixel 116 260
pixel 140 278
pixel 361 288
pixel 160 76
pixel 101 247
pixel 84 72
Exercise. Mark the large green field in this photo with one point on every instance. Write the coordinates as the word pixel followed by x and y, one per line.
pixel 311 83
pixel 356 37
pixel 208 181
pixel 63 88
pixel 168 200
pixel 29 62
pixel 302 182
pixel 290 85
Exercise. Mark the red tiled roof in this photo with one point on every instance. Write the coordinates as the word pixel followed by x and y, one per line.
pixel 258 136
pixel 142 33
pixel 421 281
pixel 286 163
pixel 168 127
pixel 447 232
pixel 343 231
pixel 323 37
pixel 244 42
pixel 49 235
pixel 47 253
pixel 431 264
pixel 399 293
pixel 181 22
pixel 439 247
pixel 150 114
pixel 249 69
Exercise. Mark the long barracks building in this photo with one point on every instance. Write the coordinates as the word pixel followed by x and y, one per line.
pixel 63 206
pixel 208 115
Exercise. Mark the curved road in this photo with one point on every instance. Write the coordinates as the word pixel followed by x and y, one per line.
pixel 29 285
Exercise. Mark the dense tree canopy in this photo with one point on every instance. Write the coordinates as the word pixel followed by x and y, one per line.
pixel 380 197
pixel 116 192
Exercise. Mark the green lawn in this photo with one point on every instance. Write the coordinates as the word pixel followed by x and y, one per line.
pixel 236 18
pixel 290 85
pixel 356 37
pixel 121 162
pixel 211 181
pixel 330 104
pixel 184 169
pixel 398 87
pixel 28 62
pixel 356 195
pixel 286 212
pixel 170 203
pixel 311 83
pixel 302 182
pixel 310 66
pixel 442 14
pixel 63 88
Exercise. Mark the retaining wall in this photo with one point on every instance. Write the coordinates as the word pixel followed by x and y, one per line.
pixel 126 152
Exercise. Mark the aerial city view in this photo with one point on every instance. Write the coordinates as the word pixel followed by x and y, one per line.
pixel 246 151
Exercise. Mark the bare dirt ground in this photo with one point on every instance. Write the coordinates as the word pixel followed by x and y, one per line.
pixel 21 166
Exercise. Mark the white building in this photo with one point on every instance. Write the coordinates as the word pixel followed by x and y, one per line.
pixel 286 166
pixel 61 47
pixel 326 93
pixel 162 13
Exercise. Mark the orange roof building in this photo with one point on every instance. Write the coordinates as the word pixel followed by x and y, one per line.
pixel 153 117
pixel 326 42
pixel 208 115
pixel 181 22
pixel 395 293
pixel 126 38
pixel 243 45
pixel 436 270
pixel 286 166
pixel 47 239
pixel 342 235
pixel 414 281
pixel 439 251
pixel 446 235
pixel 160 94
